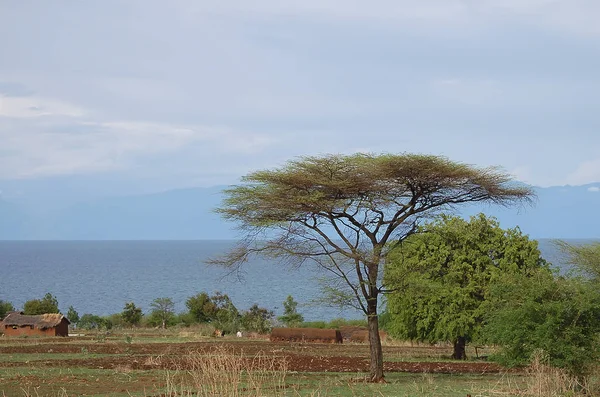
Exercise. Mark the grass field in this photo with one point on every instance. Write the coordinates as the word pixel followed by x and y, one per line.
pixel 180 363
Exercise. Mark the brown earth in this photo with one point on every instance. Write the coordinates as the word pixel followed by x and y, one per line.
pixel 301 357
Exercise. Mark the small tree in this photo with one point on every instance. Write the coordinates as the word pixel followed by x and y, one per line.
pixel 257 319
pixel 343 213
pixel 201 307
pixel 48 304
pixel 442 276
pixel 5 308
pixel 290 317
pixel 227 316
pixel 132 315
pixel 72 315
pixel 163 310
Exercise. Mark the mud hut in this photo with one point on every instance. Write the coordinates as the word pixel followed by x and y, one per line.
pixel 51 324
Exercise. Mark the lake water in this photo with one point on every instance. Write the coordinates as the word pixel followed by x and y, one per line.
pixel 100 276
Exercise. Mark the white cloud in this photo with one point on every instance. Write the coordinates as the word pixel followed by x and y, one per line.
pixel 593 189
pixel 586 172
pixel 67 141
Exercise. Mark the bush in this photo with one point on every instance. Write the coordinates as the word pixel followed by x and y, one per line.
pixel 92 321
pixel 201 308
pixel 559 316
pixel 257 319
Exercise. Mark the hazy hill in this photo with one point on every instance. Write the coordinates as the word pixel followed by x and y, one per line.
pixel 559 212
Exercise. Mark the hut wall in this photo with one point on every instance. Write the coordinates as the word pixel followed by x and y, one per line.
pixel 62 329
pixel 27 330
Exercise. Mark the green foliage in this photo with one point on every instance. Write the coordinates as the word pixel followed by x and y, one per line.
pixel 227 317
pixel 217 309
pixel 257 319
pixel 291 317
pixel 48 304
pixel 201 307
pixel 72 315
pixel 132 315
pixel 559 316
pixel 92 321
pixel 5 308
pixel 441 275
pixel 163 312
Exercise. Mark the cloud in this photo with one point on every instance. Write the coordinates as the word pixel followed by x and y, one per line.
pixel 223 87
pixel 45 137
pixel 593 189
pixel 586 172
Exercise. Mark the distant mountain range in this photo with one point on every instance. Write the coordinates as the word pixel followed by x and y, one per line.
pixel 559 212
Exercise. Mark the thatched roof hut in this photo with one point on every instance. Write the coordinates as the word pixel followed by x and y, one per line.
pixel 52 324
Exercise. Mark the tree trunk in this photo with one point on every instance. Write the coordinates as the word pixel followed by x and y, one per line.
pixel 376 366
pixel 459 349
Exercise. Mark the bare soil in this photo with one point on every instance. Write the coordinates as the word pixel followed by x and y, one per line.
pixel 300 357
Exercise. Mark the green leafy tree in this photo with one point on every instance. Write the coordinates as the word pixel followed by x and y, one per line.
pixel 5 308
pixel 72 315
pixel 291 317
pixel 442 276
pixel 343 213
pixel 131 314
pixel 257 319
pixel 163 311
pixel 48 304
pixel 559 316
pixel 227 317
pixel 201 307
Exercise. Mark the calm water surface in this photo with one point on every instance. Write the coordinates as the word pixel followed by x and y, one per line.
pixel 100 276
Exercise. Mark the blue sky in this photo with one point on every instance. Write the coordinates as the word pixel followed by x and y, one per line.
pixel 119 97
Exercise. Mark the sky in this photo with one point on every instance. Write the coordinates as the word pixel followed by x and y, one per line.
pixel 120 97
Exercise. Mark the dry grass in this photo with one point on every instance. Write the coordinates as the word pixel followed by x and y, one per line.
pixel 224 372
pixel 543 380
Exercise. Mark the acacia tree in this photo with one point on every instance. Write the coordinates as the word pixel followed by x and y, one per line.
pixel 444 274
pixel 585 258
pixel 163 310
pixel 342 212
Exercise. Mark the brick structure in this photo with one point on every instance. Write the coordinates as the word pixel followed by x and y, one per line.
pixel 315 335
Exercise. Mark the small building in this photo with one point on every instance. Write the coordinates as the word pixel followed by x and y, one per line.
pixel 19 324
